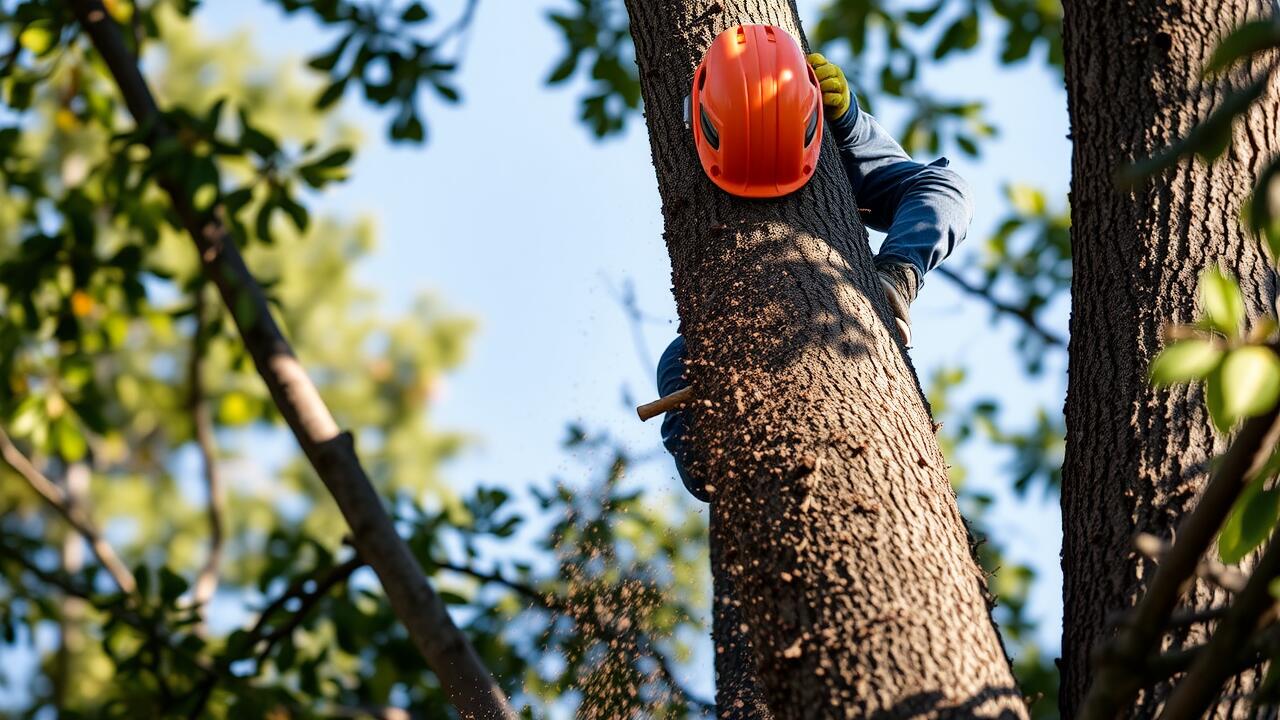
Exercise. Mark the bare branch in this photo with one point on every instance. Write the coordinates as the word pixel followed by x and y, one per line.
pixel 1116 680
pixel 1197 691
pixel 202 423
pixel 72 513
pixel 465 680
pixel 336 574
pixel 546 601
pixel 1025 315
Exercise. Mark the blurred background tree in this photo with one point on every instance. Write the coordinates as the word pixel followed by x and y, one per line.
pixel 122 370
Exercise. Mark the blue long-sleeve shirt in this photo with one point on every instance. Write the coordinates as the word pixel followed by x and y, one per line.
pixel 924 211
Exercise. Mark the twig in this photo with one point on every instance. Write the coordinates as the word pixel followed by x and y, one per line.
pixel 1115 682
pixel 202 422
pixel 463 677
pixel 72 513
pixel 543 600
pixel 118 608
pixel 336 574
pixel 460 28
pixel 1025 315
pixel 259 632
pixel 1192 697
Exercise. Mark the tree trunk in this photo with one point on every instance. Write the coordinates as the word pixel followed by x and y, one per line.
pixel 834 518
pixel 1136 456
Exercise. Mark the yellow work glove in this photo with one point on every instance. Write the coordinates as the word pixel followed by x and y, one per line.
pixel 835 89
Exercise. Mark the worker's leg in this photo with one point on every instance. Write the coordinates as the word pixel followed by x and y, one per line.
pixel 670 379
pixel 932 210
pixel 931 215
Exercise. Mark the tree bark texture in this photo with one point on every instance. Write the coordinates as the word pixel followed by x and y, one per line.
pixel 1137 456
pixel 833 517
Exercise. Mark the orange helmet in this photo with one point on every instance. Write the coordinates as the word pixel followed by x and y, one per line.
pixel 756 112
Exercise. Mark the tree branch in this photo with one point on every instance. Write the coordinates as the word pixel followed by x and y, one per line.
pixel 1026 316
pixel 463 677
pixel 336 574
pixel 1115 679
pixel 1192 697
pixel 72 513
pixel 202 424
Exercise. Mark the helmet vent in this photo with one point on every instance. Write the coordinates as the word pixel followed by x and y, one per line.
pixel 768 33
pixel 742 35
pixel 708 130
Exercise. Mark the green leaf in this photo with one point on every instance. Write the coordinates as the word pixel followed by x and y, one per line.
pixel 172 585
pixel 1250 522
pixel 447 92
pixel 920 18
pixel 1250 379
pixel 408 127
pixel 1248 39
pixel 329 60
pixel 1184 361
pixel 331 94
pixel 37 38
pixel 235 409
pixel 564 69
pixel 296 212
pixel 71 443
pixel 1221 301
pixel 414 13
pixel 1028 201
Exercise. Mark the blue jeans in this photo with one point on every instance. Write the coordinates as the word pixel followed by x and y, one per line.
pixel 925 211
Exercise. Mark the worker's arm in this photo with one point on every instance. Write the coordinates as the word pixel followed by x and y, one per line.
pixel 925 210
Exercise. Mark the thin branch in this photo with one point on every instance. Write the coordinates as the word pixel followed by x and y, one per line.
pixel 117 608
pixel 336 574
pixel 70 512
pixel 202 423
pixel 448 652
pixel 543 600
pixel 1116 681
pixel 1025 315
pixel 1192 697
pixel 461 29
pixel 260 632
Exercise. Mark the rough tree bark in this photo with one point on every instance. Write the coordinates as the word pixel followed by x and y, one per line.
pixel 833 517
pixel 1136 456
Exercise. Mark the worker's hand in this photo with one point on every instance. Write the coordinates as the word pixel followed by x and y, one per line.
pixel 835 89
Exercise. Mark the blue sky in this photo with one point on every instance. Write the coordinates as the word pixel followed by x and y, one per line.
pixel 512 213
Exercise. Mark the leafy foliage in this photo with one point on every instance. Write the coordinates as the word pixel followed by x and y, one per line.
pixel 380 50
pixel 102 332
pixel 1238 366
pixel 598 42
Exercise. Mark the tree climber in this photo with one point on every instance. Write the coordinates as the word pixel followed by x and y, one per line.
pixel 924 210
